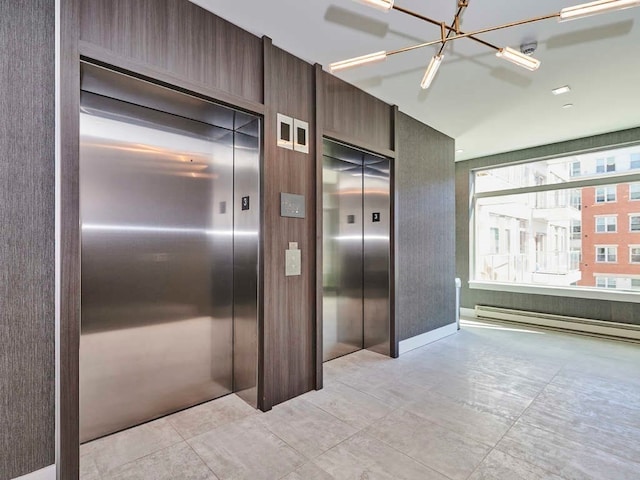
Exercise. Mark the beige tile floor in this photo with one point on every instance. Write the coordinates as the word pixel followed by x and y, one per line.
pixel 491 402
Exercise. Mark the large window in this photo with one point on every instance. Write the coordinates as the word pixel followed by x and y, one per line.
pixel 559 222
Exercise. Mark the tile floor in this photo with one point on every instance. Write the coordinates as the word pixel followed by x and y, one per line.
pixel 491 402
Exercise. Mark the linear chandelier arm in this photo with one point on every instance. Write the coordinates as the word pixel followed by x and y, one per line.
pixel 451 29
pixel 476 32
pixel 435 22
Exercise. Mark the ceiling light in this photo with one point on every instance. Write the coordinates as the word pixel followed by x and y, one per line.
pixel 451 32
pixel 459 150
pixel 354 62
pixel 431 71
pixel 379 4
pixel 567 105
pixel 594 8
pixel 517 58
pixel 561 90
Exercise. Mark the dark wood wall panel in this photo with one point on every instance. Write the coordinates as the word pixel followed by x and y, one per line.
pixel 425 232
pixel 27 322
pixel 355 116
pixel 289 302
pixel 177 37
pixel 625 312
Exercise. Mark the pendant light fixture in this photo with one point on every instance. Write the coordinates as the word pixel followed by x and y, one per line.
pixel 452 32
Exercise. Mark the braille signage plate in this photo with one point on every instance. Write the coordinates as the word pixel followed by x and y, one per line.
pixel 245 203
pixel 375 217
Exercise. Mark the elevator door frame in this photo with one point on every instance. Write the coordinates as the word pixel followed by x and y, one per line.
pixel 369 341
pixel 128 88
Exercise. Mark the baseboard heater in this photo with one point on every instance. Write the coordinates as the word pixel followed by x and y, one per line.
pixel 561 322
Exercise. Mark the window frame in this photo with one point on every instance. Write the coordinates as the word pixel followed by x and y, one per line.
pixel 606 224
pixel 607 254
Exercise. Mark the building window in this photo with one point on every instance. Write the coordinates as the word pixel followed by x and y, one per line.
pixel 495 240
pixel 606 282
pixel 635 283
pixel 606 194
pixel 606 224
pixel 575 169
pixel 604 165
pixel 634 223
pixel 634 191
pixel 634 254
pixel 635 160
pixel 606 254
pixel 576 230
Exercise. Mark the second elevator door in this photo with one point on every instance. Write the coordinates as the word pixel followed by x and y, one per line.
pixel 356 214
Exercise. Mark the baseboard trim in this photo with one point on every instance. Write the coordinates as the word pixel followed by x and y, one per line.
pixel 468 312
pixel 426 338
pixel 47 473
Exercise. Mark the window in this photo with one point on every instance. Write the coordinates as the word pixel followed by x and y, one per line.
pixel 606 282
pixel 606 224
pixel 555 221
pixel 635 283
pixel 635 160
pixel 606 194
pixel 604 165
pixel 575 169
pixel 606 254
pixel 495 240
pixel 576 230
pixel 634 254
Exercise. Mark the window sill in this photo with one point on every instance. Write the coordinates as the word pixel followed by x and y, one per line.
pixel 573 292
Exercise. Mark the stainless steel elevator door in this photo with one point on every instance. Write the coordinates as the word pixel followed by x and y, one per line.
pixel 157 211
pixel 356 220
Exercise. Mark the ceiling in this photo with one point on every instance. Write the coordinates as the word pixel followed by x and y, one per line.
pixel 487 104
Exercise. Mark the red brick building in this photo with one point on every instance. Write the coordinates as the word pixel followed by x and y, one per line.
pixel 611 236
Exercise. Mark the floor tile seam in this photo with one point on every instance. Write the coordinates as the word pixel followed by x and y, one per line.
pixel 529 463
pixel 458 434
pixel 407 455
pixel 469 406
pixel 376 399
pixel 508 394
pixel 587 424
pixel 448 427
pixel 140 457
pixel 608 452
pixel 166 447
pixel 225 423
pixel 202 460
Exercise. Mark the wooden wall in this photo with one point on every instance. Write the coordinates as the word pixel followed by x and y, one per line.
pixel 425 240
pixel 353 116
pixel 177 43
pixel 27 149
pixel 178 38
pixel 289 302
pixel 575 307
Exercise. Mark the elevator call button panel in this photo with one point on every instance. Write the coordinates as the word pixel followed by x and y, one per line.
pixel 291 205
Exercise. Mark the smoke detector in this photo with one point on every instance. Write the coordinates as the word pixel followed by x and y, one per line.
pixel 528 48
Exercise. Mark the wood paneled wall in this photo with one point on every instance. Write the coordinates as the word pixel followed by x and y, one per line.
pixel 179 38
pixel 574 307
pixel 27 149
pixel 355 117
pixel 425 232
pixel 288 360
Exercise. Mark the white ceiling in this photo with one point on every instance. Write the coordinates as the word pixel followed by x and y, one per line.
pixel 486 104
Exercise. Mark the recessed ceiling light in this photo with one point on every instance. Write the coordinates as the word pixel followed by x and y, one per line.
pixel 567 105
pixel 561 90
pixel 459 150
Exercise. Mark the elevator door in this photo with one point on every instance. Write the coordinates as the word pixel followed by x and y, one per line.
pixel 356 220
pixel 169 256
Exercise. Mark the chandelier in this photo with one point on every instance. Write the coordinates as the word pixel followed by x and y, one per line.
pixel 452 32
